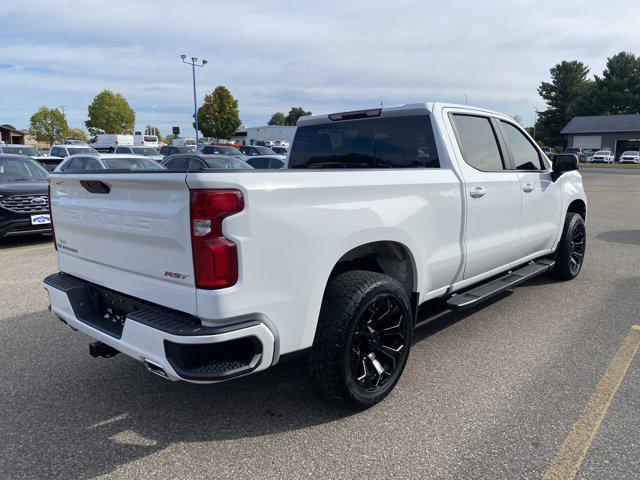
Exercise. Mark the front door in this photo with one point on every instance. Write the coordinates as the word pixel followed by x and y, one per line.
pixel 541 197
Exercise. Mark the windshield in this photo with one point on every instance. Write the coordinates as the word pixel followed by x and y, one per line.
pixel 131 163
pixel 279 150
pixel 22 150
pixel 76 150
pixel 147 151
pixel 230 163
pixel 264 151
pixel 602 152
pixel 630 152
pixel 150 138
pixel 572 150
pixel 21 170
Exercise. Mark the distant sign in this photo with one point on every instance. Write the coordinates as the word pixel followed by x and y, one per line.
pixel 176 130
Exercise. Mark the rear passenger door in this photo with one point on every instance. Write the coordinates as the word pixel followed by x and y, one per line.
pixel 492 195
pixel 541 197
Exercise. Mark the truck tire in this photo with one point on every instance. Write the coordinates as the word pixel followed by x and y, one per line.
pixel 362 340
pixel 571 248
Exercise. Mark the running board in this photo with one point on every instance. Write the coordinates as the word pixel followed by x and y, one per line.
pixel 485 291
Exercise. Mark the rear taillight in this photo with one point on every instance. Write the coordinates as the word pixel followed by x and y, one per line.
pixel 215 258
pixel 53 231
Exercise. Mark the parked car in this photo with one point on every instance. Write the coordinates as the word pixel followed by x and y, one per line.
pixel 207 276
pixel 603 156
pixel 65 150
pixel 171 150
pixel 253 150
pixel 183 142
pixel 146 140
pixel 630 156
pixel 221 150
pixel 47 161
pixel 108 142
pixel 579 152
pixel 148 152
pixel 197 161
pixel 24 201
pixel 107 161
pixel 280 150
pixel 549 152
pixel 265 162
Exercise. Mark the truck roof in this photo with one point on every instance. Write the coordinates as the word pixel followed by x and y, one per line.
pixel 390 111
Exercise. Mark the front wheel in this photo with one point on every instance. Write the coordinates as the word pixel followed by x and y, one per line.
pixel 571 248
pixel 363 338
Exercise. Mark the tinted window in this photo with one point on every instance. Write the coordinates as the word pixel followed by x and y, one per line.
pixel 179 163
pixel 258 162
pixel 227 163
pixel 92 164
pixel 196 164
pixel 122 150
pixel 276 164
pixel 525 155
pixel 396 142
pixel 75 164
pixel 478 142
pixel 57 152
pixel 21 150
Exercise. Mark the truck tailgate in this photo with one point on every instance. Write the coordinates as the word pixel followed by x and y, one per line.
pixel 127 232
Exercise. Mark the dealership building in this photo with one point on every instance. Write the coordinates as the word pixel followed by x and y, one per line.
pixel 618 133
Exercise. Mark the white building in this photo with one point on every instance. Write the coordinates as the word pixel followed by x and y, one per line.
pixel 267 135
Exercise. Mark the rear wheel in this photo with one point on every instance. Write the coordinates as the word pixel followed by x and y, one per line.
pixel 571 248
pixel 363 338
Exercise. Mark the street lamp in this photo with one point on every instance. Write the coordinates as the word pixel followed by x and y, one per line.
pixel 194 63
pixel 466 99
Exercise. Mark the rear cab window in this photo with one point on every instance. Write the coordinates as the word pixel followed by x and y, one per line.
pixel 381 142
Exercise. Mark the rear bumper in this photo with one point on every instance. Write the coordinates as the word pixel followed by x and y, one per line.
pixel 176 345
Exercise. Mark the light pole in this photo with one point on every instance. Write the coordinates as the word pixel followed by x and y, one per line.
pixel 535 120
pixel 466 99
pixel 194 63
pixel 153 118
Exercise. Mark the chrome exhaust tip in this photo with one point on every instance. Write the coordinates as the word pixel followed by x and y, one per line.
pixel 155 369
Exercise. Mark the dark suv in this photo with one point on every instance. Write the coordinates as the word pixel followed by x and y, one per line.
pixel 24 200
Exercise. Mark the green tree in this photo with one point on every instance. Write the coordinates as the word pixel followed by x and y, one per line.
pixel 77 134
pixel 294 114
pixel 218 117
pixel 618 90
pixel 110 113
pixel 277 118
pixel 565 96
pixel 518 119
pixel 150 130
pixel 48 125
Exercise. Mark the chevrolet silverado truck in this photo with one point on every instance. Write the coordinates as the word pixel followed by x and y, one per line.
pixel 208 275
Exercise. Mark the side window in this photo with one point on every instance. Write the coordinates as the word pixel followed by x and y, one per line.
pixel 196 164
pixel 525 155
pixel 275 163
pixel 179 163
pixel 75 164
pixel 55 151
pixel 478 142
pixel 92 164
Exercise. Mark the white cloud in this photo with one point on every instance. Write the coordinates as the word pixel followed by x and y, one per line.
pixel 323 55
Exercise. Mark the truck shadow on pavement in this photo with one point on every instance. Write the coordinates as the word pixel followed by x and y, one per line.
pixel 625 237
pixel 68 415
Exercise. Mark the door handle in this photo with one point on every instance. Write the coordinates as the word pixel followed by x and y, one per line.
pixel 528 187
pixel 478 192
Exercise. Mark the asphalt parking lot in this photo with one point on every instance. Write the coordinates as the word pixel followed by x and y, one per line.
pixel 489 393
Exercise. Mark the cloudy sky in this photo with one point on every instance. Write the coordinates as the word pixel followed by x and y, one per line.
pixel 326 56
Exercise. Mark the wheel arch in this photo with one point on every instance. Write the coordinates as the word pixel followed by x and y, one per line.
pixel 578 206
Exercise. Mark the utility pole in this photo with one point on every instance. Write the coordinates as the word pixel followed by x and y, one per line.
pixel 194 63
pixel 466 99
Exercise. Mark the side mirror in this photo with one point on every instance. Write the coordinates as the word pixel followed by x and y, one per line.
pixel 563 163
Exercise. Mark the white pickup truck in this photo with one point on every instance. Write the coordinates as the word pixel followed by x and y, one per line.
pixel 209 275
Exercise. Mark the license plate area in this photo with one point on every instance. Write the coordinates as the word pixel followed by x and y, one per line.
pixel 41 219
